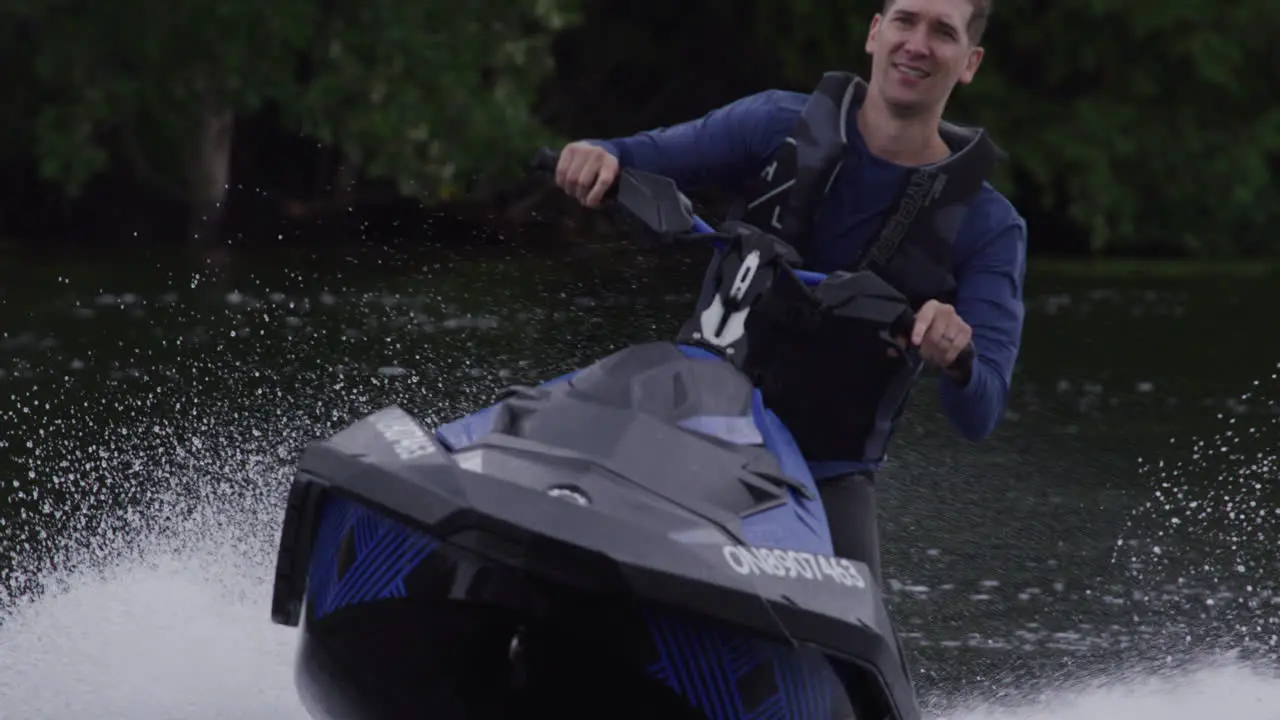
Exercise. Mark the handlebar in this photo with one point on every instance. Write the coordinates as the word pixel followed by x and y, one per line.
pixel 657 202
pixel 547 159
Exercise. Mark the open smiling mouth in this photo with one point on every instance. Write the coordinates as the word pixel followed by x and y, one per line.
pixel 912 71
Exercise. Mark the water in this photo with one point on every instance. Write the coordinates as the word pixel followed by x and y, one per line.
pixel 178 636
pixel 157 406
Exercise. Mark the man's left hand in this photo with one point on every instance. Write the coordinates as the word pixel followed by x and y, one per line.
pixel 940 334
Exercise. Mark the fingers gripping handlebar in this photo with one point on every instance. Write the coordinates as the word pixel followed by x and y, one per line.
pixel 658 204
pixel 545 160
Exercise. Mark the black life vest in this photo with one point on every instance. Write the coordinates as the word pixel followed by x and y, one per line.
pixel 831 380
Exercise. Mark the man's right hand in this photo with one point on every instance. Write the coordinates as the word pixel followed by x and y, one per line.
pixel 585 172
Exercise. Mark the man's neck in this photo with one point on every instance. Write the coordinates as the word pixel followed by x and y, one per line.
pixel 903 141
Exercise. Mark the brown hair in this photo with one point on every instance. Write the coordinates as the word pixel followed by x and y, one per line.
pixel 977 21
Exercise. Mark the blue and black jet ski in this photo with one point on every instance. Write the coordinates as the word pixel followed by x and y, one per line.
pixel 637 539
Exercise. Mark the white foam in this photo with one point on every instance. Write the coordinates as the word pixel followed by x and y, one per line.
pixel 1218 687
pixel 170 637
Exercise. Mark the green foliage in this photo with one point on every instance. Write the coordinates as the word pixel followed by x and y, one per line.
pixel 427 92
pixel 418 92
pixel 128 80
pixel 1147 122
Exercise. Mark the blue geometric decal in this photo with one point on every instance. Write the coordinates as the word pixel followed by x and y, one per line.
pixel 385 552
pixel 735 677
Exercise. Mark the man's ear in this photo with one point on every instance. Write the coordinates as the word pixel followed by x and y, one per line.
pixel 971 66
pixel 871 33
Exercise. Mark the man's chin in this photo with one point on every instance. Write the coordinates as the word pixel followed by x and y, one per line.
pixel 906 106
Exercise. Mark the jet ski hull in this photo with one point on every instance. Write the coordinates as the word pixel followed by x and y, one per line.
pixel 512 573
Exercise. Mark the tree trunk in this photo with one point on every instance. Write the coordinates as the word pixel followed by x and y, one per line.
pixel 209 169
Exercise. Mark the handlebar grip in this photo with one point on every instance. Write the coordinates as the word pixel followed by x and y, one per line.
pixel 902 327
pixel 546 160
pixel 964 361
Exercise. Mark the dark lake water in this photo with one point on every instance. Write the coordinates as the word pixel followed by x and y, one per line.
pixel 1118 528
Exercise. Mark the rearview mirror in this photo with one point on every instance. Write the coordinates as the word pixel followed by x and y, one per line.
pixel 655 202
pixel 651 202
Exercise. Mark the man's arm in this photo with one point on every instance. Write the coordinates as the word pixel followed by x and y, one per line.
pixel 720 148
pixel 989 299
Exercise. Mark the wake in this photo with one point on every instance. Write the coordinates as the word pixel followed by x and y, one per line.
pixel 187 634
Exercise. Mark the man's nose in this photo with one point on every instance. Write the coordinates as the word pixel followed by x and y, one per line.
pixel 916 41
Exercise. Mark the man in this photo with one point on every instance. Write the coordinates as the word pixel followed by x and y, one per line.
pixel 920 49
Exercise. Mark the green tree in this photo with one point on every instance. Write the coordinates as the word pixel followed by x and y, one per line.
pixel 428 93
pixel 422 93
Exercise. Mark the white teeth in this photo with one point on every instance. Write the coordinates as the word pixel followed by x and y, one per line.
pixel 913 72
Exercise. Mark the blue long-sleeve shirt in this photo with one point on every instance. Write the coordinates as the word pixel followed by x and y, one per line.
pixel 731 144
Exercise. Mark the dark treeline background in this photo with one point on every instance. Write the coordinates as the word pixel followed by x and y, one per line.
pixel 1135 127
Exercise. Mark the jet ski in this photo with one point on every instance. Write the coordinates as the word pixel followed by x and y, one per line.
pixel 640 538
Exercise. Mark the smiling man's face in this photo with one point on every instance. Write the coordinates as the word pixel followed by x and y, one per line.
pixel 919 50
